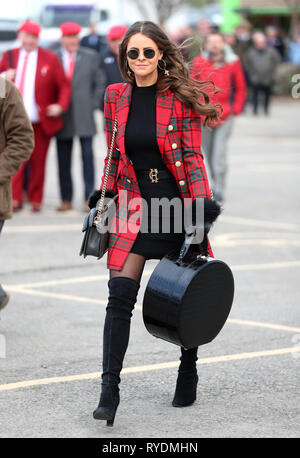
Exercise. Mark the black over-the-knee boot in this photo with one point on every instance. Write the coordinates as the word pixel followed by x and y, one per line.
pixel 187 379
pixel 123 293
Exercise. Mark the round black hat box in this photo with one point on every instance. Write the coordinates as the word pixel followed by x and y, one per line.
pixel 187 303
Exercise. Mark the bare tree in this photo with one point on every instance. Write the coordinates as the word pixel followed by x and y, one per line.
pixel 294 5
pixel 165 8
pixel 142 8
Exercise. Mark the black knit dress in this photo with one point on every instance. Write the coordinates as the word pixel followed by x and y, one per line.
pixel 142 148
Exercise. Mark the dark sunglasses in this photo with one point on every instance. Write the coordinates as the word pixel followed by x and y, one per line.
pixel 133 54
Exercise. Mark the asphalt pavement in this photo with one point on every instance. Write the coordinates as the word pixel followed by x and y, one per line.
pixel 51 330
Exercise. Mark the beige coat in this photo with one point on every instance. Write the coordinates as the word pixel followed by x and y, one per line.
pixel 16 141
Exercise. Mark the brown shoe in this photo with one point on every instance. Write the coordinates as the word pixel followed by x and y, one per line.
pixel 17 206
pixel 65 206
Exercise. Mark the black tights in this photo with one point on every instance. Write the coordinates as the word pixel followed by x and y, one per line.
pixel 133 268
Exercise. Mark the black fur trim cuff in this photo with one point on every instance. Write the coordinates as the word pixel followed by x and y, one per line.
pixel 212 210
pixel 93 199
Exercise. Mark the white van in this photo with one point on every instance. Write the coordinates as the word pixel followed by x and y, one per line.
pixel 56 12
pixel 8 34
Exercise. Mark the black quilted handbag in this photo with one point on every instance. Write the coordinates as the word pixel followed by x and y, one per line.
pixel 96 234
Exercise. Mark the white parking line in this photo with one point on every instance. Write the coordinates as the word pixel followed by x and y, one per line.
pixel 77 226
pixel 90 300
pixel 44 228
pixel 67 281
pixel 147 272
pixel 150 367
pixel 258 222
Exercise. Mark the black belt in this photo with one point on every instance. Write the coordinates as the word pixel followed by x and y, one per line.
pixel 154 175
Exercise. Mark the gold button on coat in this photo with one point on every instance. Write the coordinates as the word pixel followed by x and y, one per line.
pixel 170 127
pixel 174 145
pixel 178 164
pixel 181 182
pixel 128 181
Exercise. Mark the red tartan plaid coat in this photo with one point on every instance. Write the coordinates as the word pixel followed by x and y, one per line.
pixel 178 130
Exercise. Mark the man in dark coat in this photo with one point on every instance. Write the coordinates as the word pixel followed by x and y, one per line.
pixel 82 67
pixel 261 62
pixel 110 72
pixel 93 41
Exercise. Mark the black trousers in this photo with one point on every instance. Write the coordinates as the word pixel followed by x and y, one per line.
pixel 1 224
pixel 64 153
pixel 266 90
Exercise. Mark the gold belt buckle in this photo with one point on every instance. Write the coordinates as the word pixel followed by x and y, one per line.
pixel 153 175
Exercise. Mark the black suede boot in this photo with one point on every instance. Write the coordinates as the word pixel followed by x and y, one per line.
pixel 123 293
pixel 187 379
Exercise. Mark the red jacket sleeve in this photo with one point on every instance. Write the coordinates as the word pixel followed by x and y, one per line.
pixel 4 64
pixel 192 155
pixel 240 87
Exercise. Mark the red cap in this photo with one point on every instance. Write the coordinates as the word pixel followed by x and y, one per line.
pixel 30 27
pixel 117 31
pixel 70 28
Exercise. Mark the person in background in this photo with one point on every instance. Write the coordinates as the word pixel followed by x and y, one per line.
pixel 204 28
pixel 294 50
pixel 46 92
pixel 16 145
pixel 220 65
pixel 274 39
pixel 261 62
pixel 93 41
pixel 230 40
pixel 110 72
pixel 82 68
pixel 242 39
pixel 189 42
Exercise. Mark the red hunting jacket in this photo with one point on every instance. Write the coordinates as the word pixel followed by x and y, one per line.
pixel 51 86
pixel 230 75
pixel 178 130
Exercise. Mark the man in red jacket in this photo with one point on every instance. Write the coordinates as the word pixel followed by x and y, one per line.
pixel 220 65
pixel 39 76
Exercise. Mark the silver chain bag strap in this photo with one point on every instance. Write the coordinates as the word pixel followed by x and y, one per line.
pixel 96 237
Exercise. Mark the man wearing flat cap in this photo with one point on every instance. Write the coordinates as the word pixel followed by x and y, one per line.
pixel 82 68
pixel 110 72
pixel 39 76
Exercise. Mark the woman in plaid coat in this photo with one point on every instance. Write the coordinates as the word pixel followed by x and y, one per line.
pixel 157 90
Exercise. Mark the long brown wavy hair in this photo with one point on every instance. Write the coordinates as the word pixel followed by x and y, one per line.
pixel 186 89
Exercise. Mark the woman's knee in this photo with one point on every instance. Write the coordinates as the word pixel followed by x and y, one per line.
pixel 133 267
